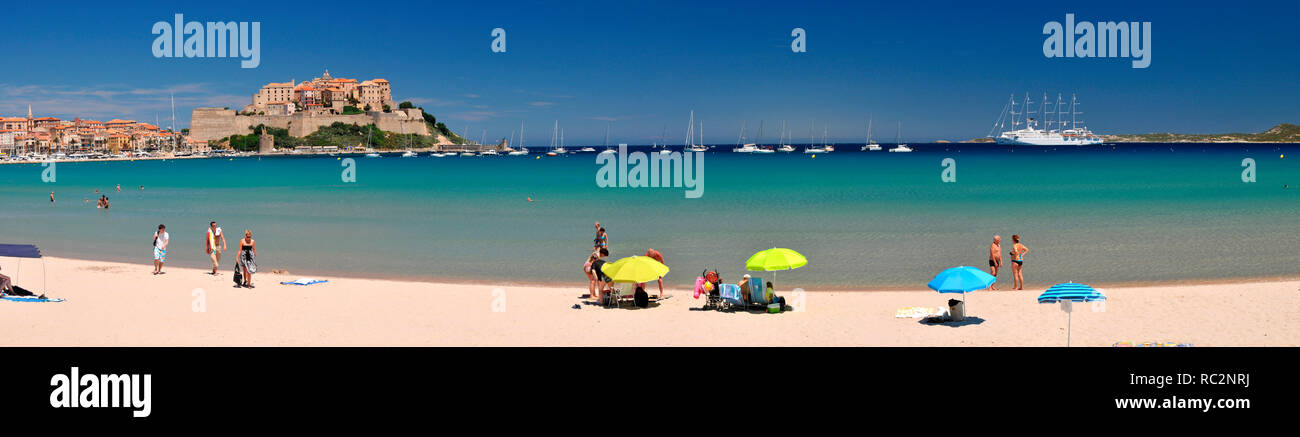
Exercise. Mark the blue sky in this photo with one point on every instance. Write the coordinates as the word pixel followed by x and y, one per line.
pixel 943 69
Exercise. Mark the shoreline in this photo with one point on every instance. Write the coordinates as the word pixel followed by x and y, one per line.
pixel 117 304
pixel 454 280
pixel 457 147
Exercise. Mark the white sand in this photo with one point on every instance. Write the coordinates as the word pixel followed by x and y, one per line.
pixel 115 304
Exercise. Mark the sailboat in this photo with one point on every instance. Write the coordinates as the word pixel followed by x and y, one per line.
pixel 759 149
pixel 690 145
pixel 663 137
pixel 555 132
pixel 829 147
pixel 900 147
pixel 607 150
pixel 870 146
pixel 741 145
pixel 371 154
pixel 785 147
pixel 812 142
pixel 408 153
pixel 523 150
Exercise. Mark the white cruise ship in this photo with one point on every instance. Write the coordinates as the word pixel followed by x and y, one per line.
pixel 1059 130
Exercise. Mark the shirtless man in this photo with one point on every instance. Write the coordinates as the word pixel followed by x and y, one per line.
pixel 995 258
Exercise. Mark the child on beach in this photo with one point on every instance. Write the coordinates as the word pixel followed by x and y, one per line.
pixel 160 242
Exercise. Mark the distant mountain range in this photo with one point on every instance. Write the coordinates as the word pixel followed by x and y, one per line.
pixel 1282 133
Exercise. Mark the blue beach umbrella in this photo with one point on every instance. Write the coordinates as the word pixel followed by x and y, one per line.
pixel 1066 294
pixel 962 280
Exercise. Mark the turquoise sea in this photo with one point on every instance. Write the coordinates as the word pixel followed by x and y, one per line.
pixel 1104 214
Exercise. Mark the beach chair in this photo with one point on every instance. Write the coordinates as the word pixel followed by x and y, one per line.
pixel 757 295
pixel 619 293
pixel 729 297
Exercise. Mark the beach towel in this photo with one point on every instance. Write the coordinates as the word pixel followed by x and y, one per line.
pixel 731 294
pixel 304 281
pixel 31 299
pixel 916 312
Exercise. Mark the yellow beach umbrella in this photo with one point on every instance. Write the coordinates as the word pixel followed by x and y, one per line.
pixel 776 258
pixel 635 269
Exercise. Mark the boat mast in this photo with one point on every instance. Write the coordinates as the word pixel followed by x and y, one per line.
pixel 689 139
pixel 870 119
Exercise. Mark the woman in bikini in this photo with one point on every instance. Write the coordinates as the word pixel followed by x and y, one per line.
pixel 1018 252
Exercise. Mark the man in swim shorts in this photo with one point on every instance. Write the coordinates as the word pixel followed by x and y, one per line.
pixel 995 258
pixel 210 240
pixel 160 242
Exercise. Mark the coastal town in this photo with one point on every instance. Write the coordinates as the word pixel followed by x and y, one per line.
pixel 313 104
pixel 31 137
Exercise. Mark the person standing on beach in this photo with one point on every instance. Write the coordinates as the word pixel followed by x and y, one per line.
pixel 247 257
pixel 995 258
pixel 658 257
pixel 160 242
pixel 1018 252
pixel 210 239
pixel 602 239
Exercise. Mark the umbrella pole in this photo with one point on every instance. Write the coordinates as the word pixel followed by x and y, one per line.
pixel 1069 323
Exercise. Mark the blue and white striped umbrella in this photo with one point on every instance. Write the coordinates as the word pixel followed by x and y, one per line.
pixel 1070 292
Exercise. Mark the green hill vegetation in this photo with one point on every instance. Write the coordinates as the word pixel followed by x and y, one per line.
pixel 1282 133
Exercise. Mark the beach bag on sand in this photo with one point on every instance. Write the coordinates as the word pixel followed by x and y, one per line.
pixel 641 298
pixel 239 275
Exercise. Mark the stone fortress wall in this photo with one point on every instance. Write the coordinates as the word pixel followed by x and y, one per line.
pixel 212 124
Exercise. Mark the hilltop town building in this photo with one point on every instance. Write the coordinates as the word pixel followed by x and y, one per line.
pixel 322 95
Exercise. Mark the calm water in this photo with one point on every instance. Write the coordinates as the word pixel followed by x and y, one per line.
pixel 1097 214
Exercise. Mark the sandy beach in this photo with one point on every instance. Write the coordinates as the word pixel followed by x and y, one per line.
pixel 116 304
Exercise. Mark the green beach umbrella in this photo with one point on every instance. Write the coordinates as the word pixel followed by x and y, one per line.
pixel 774 259
pixel 635 269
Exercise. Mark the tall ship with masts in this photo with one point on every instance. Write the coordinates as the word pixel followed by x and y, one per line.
pixel 1057 131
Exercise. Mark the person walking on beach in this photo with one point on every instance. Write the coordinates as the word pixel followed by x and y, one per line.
pixel 210 239
pixel 160 242
pixel 247 257
pixel 1018 252
pixel 995 258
